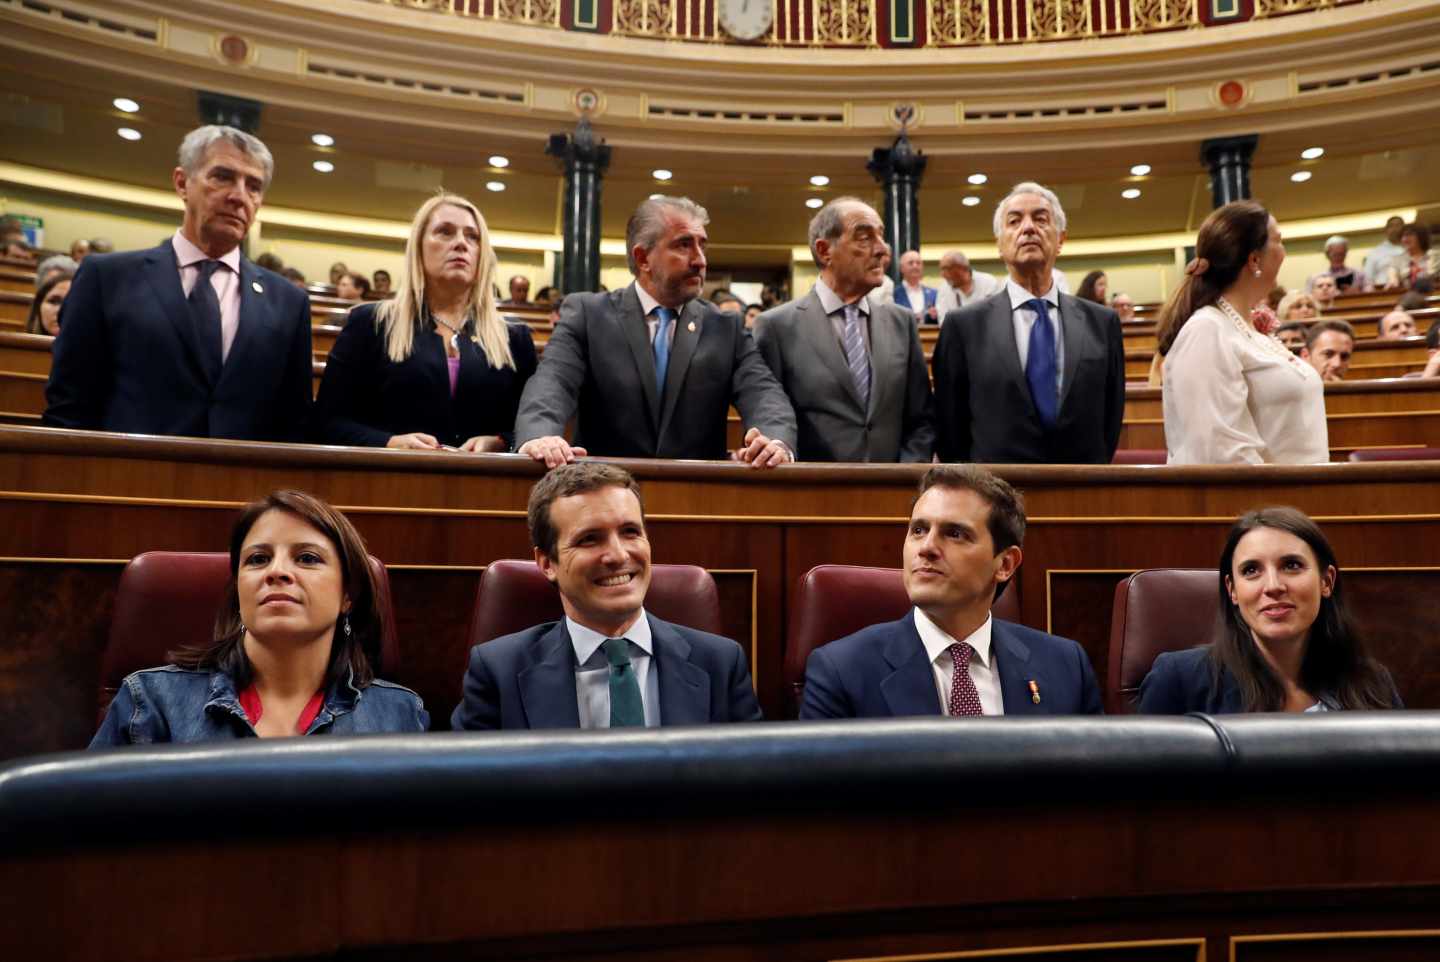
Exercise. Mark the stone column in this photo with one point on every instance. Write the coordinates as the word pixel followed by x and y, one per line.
pixel 1229 161
pixel 899 170
pixel 585 160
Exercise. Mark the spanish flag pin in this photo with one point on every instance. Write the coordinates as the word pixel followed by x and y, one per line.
pixel 1034 692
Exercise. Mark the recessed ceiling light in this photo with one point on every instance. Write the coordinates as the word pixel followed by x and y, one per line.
pixel 820 180
pixel 126 104
pixel 1130 193
pixel 971 201
pixel 495 186
pixel 128 133
pixel 1300 176
pixel 322 140
pixel 323 166
pixel 1313 153
pixel 498 161
pixel 1140 170
pixel 977 179
pixel 660 173
pixel 814 202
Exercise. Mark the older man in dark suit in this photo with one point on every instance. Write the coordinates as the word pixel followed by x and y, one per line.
pixel 854 370
pixel 1030 374
pixel 651 371
pixel 189 337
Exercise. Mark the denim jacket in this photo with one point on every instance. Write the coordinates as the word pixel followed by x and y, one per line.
pixel 174 704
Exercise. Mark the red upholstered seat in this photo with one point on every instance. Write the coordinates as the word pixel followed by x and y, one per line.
pixel 514 595
pixel 1157 610
pixel 168 599
pixel 1139 456
pixel 1396 454
pixel 833 601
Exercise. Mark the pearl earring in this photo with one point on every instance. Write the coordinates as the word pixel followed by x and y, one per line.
pixel 1257 273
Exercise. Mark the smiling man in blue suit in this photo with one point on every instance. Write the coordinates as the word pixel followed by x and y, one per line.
pixel 608 663
pixel 190 337
pixel 949 656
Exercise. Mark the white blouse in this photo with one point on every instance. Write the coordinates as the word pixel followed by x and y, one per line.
pixel 1232 395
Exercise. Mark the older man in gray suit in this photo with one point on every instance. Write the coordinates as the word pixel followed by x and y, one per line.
pixel 651 370
pixel 853 369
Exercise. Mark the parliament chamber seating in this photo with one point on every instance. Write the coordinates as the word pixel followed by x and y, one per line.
pixel 1155 611
pixel 832 601
pixel 1396 454
pixel 168 600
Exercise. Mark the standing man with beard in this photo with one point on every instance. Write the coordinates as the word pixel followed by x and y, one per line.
pixel 650 371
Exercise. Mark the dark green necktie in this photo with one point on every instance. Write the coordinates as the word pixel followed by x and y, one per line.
pixel 626 709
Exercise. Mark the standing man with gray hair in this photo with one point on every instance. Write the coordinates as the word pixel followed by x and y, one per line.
pixel 651 370
pixel 961 284
pixel 190 337
pixel 854 370
pixel 1030 375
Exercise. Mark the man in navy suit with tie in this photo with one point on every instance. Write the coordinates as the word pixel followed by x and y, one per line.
pixel 1029 375
pixel 948 656
pixel 189 337
pixel 608 663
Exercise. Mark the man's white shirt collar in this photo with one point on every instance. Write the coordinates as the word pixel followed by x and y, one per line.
pixel 187 253
pixel 587 640
pixel 937 641
pixel 1019 295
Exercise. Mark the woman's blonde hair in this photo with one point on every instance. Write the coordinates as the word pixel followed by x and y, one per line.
pixel 399 316
pixel 1288 302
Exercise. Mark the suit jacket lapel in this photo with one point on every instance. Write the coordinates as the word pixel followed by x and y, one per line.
pixel 164 276
pixel 815 327
pixel 637 336
pixel 688 328
pixel 684 686
pixel 547 688
pixel 1073 319
pixel 910 689
pixel 901 297
pixel 1012 660
pixel 883 347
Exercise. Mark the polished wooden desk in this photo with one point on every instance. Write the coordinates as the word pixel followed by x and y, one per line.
pixel 74 506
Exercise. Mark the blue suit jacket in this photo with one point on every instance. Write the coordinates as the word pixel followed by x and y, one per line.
pixel 883 671
pixel 1184 681
pixel 127 357
pixel 527 680
pixel 903 299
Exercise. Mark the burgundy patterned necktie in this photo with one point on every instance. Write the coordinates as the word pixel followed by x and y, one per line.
pixel 964 697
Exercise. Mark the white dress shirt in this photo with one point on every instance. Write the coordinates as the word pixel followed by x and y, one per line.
pixel 949 298
pixel 1232 395
pixel 1378 262
pixel 983 671
pixel 226 283
pixel 647 308
pixel 1024 320
pixel 916 296
pixel 884 294
pixel 592 672
pixel 834 309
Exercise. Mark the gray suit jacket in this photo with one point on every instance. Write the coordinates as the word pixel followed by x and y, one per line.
pixel 983 408
pixel 599 368
pixel 798 341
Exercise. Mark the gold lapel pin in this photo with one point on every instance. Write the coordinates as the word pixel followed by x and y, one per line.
pixel 690 327
pixel 1034 692
pixel 255 286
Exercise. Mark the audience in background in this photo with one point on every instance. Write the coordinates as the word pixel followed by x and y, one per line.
pixel 547 295
pixel 1396 325
pixel 54 265
pixel 1432 349
pixel 1347 279
pixel 1297 306
pixel 912 293
pixel 337 271
pixel 961 284
pixel 298 636
pixel 352 287
pixel 1382 257
pixel 752 311
pixel 1328 347
pixel 381 284
pixel 1286 642
pixel 1124 306
pixel 1232 393
pixel 1275 297
pixel 1292 335
pixel 727 302
pixel 270 261
pixel 79 250
pixel 1323 289
pixel 435 366
pixel 1416 262
pixel 45 308
pixel 1094 287
pixel 519 292
pixel 1417 298
pixel 18 249
pixel 294 277
pixel 102 245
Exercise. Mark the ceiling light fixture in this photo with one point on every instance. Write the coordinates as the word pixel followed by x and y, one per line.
pixel 1130 193
pixel 495 186
pixel 660 173
pixel 1140 170
pixel 977 179
pixel 1312 153
pixel 814 202
pixel 323 166
pixel 126 104
pixel 1300 176
pixel 496 160
pixel 820 180
pixel 322 140
pixel 971 201
pixel 128 133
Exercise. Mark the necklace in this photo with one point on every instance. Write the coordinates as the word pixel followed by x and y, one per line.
pixel 1267 342
pixel 454 331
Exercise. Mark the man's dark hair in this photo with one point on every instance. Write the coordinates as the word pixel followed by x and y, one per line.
pixel 382 272
pixel 291 274
pixel 1320 327
pixel 1007 507
pixel 1432 337
pixel 568 480
pixel 271 262
pixel 725 297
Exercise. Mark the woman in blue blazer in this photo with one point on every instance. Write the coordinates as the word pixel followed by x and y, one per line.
pixel 1286 642
pixel 435 366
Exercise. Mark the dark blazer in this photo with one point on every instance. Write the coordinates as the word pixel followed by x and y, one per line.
pixel 599 368
pixel 527 680
pixel 883 671
pixel 127 357
pixel 366 398
pixel 798 341
pixel 1184 681
pixel 902 298
pixel 983 408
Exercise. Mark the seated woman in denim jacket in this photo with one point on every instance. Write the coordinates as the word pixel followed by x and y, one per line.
pixel 1286 642
pixel 289 656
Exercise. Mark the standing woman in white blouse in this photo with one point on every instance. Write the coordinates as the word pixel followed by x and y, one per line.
pixel 1232 394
